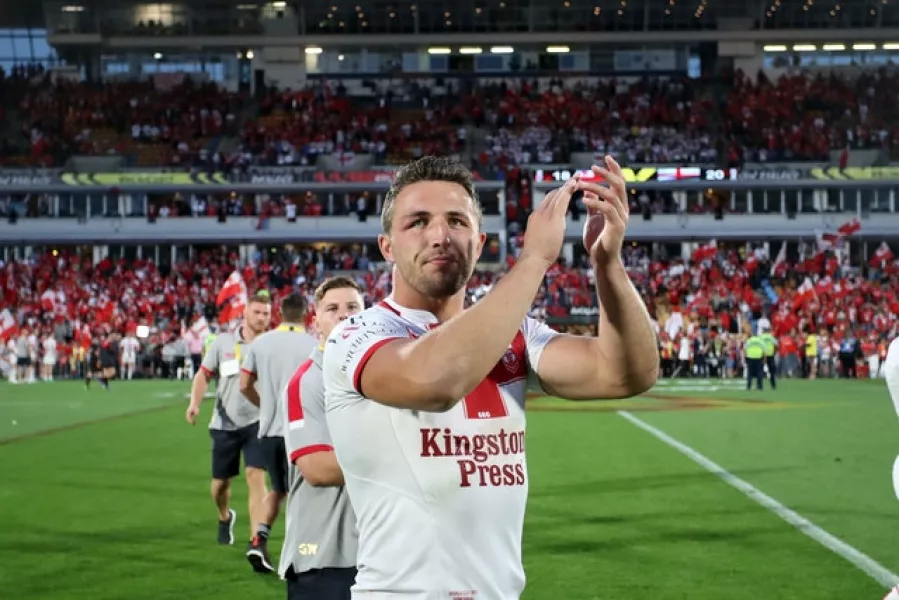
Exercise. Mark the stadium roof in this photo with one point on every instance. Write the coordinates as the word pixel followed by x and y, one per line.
pixel 21 14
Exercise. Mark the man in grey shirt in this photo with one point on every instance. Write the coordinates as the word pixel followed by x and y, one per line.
pixel 235 422
pixel 320 542
pixel 271 361
pixel 23 356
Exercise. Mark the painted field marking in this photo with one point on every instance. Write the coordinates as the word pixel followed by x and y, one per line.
pixel 875 570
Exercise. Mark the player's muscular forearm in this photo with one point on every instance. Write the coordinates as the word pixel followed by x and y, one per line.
pixel 454 358
pixel 627 341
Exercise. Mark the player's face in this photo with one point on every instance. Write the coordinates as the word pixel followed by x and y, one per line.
pixel 258 316
pixel 335 306
pixel 434 240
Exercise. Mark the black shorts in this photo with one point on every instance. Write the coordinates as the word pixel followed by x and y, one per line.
pixel 227 447
pixel 274 453
pixel 23 361
pixel 320 584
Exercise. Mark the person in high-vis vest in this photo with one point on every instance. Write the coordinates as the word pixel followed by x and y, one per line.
pixel 210 339
pixel 770 354
pixel 754 349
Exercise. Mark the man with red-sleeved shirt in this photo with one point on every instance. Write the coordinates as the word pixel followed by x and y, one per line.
pixel 318 511
pixel 425 398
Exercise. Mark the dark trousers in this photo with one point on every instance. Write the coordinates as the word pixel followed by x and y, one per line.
pixel 754 371
pixel 847 365
pixel 320 584
pixel 771 361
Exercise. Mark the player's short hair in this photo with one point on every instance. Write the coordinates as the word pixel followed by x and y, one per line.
pixel 262 297
pixel 293 308
pixel 336 283
pixel 429 168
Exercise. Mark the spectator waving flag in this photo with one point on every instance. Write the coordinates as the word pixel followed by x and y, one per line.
pixel 882 255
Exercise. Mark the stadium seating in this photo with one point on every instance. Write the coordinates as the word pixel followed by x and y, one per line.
pixel 678 121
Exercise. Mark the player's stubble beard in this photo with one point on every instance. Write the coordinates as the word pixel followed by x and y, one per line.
pixel 443 283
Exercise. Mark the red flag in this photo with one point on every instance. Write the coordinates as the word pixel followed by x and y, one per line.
pixel 234 285
pixel 850 227
pixel 882 255
pixel 8 325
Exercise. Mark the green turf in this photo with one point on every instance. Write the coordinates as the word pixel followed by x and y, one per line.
pixel 105 496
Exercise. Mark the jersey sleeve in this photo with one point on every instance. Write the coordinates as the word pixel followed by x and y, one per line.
pixel 210 362
pixel 304 400
pixel 891 372
pixel 352 344
pixel 537 336
pixel 248 365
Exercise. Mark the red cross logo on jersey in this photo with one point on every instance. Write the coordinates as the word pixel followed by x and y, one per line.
pixel 486 400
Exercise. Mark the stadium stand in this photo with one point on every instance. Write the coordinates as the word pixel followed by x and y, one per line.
pixel 704 304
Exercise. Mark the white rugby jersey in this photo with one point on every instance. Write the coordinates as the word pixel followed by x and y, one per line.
pixel 439 497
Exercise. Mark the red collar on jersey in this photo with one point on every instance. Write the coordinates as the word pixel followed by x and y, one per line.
pixel 422 318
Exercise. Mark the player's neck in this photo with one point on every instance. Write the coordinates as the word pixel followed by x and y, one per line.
pixel 246 333
pixel 444 308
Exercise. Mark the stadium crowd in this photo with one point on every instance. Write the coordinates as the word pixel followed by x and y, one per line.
pixel 173 121
pixel 704 305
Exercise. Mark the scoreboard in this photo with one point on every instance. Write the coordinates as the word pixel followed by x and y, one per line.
pixel 642 174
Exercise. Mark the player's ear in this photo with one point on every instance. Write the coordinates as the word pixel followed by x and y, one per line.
pixel 386 247
pixel 482 239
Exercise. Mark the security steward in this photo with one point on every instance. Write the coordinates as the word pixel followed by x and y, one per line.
pixel 770 355
pixel 754 349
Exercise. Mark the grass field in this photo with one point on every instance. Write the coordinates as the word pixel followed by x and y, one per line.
pixel 104 496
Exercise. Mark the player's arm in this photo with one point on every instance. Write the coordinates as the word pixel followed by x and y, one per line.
pixel 435 371
pixel 622 361
pixel 308 441
pixel 248 377
pixel 891 371
pixel 200 383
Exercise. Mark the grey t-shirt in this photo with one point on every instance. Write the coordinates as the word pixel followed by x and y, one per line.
pixel 320 523
pixel 232 410
pixel 273 358
pixel 22 349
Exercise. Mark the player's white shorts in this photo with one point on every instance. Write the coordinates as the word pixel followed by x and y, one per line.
pixel 129 361
pixel 49 360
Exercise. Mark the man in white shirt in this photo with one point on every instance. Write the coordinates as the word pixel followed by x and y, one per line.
pixel 425 400
pixel 129 348
pixel 49 359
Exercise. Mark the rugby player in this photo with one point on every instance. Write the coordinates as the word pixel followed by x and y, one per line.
pixel 319 555
pixel 891 372
pixel 271 361
pixel 100 363
pixel 234 427
pixel 425 399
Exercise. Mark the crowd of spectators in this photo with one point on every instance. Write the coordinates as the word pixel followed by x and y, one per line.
pixel 704 305
pixel 674 120
pixel 803 117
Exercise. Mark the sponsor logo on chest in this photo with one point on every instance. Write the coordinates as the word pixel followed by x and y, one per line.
pixel 483 459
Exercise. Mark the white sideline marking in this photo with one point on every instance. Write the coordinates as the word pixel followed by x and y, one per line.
pixel 861 560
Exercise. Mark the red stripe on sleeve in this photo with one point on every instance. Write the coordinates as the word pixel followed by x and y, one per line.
pixel 207 371
pixel 309 450
pixel 294 399
pixel 248 372
pixel 357 375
